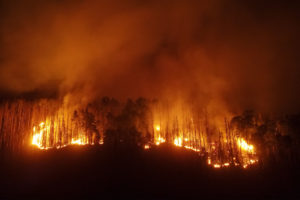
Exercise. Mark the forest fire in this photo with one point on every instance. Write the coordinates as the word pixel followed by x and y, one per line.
pixel 172 99
pixel 42 137
pixel 58 132
pixel 217 166
pixel 78 142
pixel 178 142
pixel 245 146
pixel 160 140
pixel 38 137
pixel 63 126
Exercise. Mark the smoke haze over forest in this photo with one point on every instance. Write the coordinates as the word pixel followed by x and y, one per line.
pixel 231 54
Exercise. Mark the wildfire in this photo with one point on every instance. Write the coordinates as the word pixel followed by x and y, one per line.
pixel 160 140
pixel 157 127
pixel 246 157
pixel 209 161
pixel 101 141
pixel 178 142
pixel 226 164
pixel 217 166
pixel 41 138
pixel 245 146
pixel 191 148
pixel 37 138
pixel 78 142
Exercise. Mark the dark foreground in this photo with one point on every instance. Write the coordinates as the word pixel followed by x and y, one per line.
pixel 123 173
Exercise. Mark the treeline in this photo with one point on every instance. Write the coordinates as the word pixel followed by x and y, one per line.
pixel 138 122
pixel 276 137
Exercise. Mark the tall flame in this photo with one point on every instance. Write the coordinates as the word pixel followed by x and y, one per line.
pixel 245 146
pixel 41 138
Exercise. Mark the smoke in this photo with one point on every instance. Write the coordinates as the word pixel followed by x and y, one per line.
pixel 226 55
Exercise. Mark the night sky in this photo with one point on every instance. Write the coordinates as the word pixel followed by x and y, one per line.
pixel 223 54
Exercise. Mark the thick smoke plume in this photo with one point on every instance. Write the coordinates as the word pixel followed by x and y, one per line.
pixel 225 55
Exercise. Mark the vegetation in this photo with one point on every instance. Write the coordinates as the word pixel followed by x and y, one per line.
pixel 133 124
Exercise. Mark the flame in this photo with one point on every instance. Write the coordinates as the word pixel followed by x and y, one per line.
pixel 217 166
pixel 41 138
pixel 252 161
pixel 160 140
pixel 78 142
pixel 178 142
pixel 157 127
pixel 245 146
pixel 209 161
pixel 191 148
pixel 248 155
pixel 101 141
pixel 37 138
pixel 226 164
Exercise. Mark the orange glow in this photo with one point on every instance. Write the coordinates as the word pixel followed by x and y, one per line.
pixel 160 140
pixel 157 128
pixel 37 138
pixel 48 134
pixel 253 161
pixel 41 138
pixel 217 166
pixel 101 141
pixel 78 142
pixel 191 148
pixel 209 161
pixel 245 146
pixel 178 142
pixel 226 164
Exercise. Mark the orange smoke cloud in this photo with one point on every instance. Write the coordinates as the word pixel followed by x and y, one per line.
pixel 221 54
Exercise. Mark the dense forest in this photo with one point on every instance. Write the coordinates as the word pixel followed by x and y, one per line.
pixel 242 140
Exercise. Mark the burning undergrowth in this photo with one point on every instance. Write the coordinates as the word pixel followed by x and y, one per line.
pixel 241 141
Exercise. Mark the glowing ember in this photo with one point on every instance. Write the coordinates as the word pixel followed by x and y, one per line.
pixel 191 148
pixel 101 141
pixel 209 161
pixel 217 166
pixel 253 161
pixel 146 146
pixel 226 164
pixel 160 140
pixel 78 142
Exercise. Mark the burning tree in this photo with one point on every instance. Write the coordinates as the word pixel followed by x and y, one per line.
pixel 241 141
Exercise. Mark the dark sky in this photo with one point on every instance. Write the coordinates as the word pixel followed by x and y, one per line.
pixel 227 54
